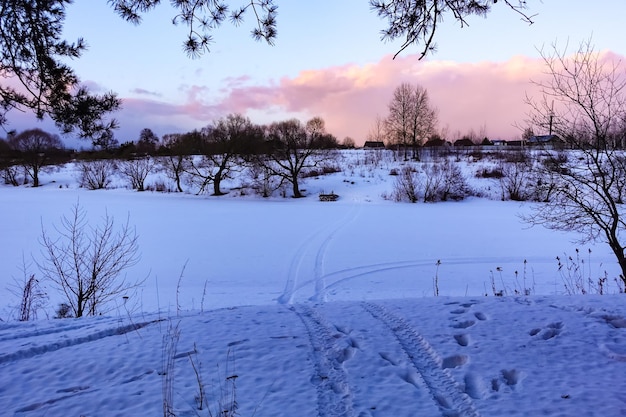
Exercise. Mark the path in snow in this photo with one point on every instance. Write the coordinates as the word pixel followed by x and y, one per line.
pixel 314 249
pixel 334 398
pixel 60 343
pixel 445 391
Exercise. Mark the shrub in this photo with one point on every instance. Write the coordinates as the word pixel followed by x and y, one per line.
pixel 96 175
pixel 406 186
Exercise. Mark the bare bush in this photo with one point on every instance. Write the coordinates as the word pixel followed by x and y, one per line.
pixel 136 171
pixel 444 181
pixel 406 185
pixel 96 175
pixel 264 181
pixel 85 262
pixel 11 175
pixel 516 181
pixel 31 293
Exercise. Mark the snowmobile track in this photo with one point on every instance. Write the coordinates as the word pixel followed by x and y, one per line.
pixel 447 394
pixel 334 398
pixel 64 343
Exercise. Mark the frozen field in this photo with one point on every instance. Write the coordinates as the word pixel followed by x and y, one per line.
pixel 319 309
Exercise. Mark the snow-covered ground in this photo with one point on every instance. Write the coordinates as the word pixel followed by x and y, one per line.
pixel 317 308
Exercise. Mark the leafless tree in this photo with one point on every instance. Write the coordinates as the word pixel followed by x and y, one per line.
pixel 96 175
pixel 584 102
pixel 148 142
pixel 35 147
pixel 136 170
pixel 177 150
pixel 348 143
pixel 262 172
pixel 411 118
pixel 85 262
pixel 292 151
pixel 224 143
pixel 377 132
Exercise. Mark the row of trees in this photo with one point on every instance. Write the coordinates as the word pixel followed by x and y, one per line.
pixel 278 153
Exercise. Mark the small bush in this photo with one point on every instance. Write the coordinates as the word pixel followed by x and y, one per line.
pixel 493 172
pixel 406 186
pixel 96 175
pixel 63 311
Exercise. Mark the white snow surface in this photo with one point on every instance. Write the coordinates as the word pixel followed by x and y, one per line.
pixel 316 308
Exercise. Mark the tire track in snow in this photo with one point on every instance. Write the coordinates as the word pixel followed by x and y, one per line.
pixel 320 278
pixel 447 394
pixel 292 286
pixel 334 397
pixel 51 347
pixel 344 275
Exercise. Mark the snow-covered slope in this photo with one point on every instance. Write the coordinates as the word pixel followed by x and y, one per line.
pixel 526 356
pixel 310 308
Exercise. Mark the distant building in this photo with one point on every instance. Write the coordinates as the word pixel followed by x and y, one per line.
pixel 543 140
pixel 372 144
pixel 499 142
pixel 464 142
pixel 433 143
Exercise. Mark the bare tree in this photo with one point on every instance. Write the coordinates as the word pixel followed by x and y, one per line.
pixel 348 143
pixel 584 102
pixel 293 152
pixel 136 170
pixel 225 142
pixel 148 142
pixel 377 132
pixel 85 261
pixel 176 159
pixel 35 148
pixel 411 118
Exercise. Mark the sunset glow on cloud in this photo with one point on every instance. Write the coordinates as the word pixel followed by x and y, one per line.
pixel 484 97
pixel 487 95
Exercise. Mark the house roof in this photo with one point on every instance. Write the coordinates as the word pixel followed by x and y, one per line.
pixel 464 142
pixel 543 139
pixel 373 144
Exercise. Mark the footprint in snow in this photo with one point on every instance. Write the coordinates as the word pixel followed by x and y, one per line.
pixel 463 324
pixel 508 378
pixel 475 386
pixel 454 361
pixel 480 316
pixel 550 331
pixel 462 339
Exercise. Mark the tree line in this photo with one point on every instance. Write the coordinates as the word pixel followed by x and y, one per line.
pixel 277 153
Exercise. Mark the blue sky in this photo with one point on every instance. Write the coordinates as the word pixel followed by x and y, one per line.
pixel 320 40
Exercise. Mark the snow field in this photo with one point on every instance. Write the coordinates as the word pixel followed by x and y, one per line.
pixel 316 309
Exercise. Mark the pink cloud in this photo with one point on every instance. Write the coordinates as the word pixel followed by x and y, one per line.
pixel 476 96
pixel 350 97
